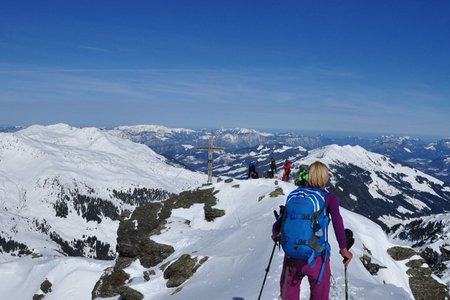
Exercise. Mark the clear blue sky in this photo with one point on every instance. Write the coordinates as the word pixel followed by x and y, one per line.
pixel 369 66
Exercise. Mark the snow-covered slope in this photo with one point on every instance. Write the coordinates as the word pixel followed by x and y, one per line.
pixel 378 187
pixel 63 188
pixel 429 235
pixel 238 247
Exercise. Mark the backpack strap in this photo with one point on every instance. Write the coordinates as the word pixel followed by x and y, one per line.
pixel 324 260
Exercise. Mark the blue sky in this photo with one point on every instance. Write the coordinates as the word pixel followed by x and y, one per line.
pixel 352 66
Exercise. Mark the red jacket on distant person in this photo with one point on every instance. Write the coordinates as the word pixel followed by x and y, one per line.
pixel 287 167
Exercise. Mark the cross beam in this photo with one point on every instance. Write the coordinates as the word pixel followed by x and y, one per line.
pixel 211 150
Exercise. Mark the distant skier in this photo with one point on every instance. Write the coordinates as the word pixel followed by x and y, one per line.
pixel 252 173
pixel 273 167
pixel 303 177
pixel 287 170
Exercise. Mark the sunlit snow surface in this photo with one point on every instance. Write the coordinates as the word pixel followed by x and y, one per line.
pixel 238 247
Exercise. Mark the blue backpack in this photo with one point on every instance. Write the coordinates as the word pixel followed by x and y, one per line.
pixel 304 226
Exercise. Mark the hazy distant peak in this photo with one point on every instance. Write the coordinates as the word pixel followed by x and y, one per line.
pixel 244 131
pixel 153 128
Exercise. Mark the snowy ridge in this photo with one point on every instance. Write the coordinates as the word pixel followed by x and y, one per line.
pixel 238 247
pixel 363 179
pixel 60 181
pixel 58 150
pixel 370 161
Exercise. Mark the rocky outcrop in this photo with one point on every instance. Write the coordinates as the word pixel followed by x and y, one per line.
pixel 370 266
pixel 421 282
pixel 401 253
pixel 423 285
pixel 133 238
pixel 46 287
pixel 181 270
pixel 277 192
pixel 134 243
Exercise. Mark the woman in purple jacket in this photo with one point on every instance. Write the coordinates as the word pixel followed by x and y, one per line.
pixel 297 269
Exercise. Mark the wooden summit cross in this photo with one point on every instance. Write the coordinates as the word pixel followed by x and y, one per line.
pixel 211 150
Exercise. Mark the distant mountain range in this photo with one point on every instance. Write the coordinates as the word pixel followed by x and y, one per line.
pixel 179 144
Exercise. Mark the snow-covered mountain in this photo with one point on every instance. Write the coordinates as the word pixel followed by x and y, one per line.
pixel 87 192
pixel 63 189
pixel 379 188
pixel 177 144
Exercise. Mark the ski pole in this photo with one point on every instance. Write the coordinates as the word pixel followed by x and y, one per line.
pixel 346 284
pixel 267 270
pixel 276 215
pixel 350 241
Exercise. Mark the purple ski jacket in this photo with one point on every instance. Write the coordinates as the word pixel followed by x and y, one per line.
pixel 332 206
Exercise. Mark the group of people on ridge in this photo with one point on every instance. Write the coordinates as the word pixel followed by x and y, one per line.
pixel 302 177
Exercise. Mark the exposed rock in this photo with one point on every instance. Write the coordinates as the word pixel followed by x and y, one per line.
pixel 110 283
pixel 133 237
pixel 261 197
pixel 127 293
pixel 46 286
pixel 373 268
pixel 134 241
pixel 415 263
pixel 277 192
pixel 181 270
pixel 424 287
pixel 434 260
pixel 228 180
pixel 401 253
pixel 445 253
pixel 188 198
pixel 148 273
pixel 212 213
pixel 123 262
pixel 154 253
pixel 236 186
pixel 38 296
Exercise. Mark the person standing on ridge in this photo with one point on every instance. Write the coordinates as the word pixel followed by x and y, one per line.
pixel 273 167
pixel 252 173
pixel 287 170
pixel 309 209
pixel 303 177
